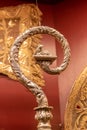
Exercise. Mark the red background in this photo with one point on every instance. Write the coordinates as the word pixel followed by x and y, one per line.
pixel 16 103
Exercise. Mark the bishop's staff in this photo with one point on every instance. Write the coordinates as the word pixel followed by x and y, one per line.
pixel 43 110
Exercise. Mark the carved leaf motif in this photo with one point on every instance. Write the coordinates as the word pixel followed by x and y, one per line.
pixel 13 22
pixel 76 111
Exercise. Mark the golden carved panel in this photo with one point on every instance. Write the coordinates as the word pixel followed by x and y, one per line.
pixel 15 20
pixel 76 110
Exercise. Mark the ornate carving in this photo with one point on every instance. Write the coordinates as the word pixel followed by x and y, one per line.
pixel 76 111
pixel 13 22
pixel 45 58
pixel 43 111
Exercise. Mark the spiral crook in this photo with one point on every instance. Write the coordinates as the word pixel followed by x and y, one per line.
pixel 43 111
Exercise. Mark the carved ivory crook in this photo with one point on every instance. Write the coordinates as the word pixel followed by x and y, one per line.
pixel 43 111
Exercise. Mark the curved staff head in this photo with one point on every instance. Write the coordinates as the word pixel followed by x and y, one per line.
pixel 43 111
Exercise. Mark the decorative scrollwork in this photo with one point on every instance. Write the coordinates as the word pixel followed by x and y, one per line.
pixel 44 58
pixel 76 110
pixel 43 111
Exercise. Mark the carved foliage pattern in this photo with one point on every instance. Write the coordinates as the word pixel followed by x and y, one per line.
pixel 76 111
pixel 14 21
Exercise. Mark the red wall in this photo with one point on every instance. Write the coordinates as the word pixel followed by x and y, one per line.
pixel 71 20
pixel 16 103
